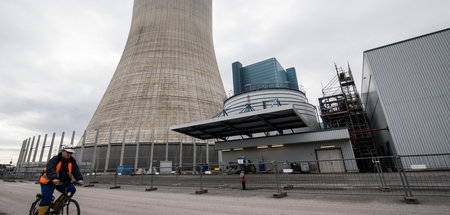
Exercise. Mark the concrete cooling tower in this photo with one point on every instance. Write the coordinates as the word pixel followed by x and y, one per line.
pixel 167 75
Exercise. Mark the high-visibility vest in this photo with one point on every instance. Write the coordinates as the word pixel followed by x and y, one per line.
pixel 44 179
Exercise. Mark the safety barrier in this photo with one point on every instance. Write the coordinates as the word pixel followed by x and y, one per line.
pixel 407 176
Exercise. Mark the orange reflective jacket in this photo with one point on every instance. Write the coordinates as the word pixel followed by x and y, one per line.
pixel 44 179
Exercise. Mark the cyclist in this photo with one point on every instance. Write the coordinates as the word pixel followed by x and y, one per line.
pixel 60 168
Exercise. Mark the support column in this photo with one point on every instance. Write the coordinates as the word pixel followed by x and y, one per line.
pixel 122 150
pixel 207 153
pixel 43 148
pixel 194 162
pixel 83 143
pixel 151 152
pixel 181 153
pixel 136 156
pixel 219 156
pixel 36 149
pixel 19 160
pixel 167 145
pixel 108 151
pixel 31 149
pixel 94 156
pixel 26 150
pixel 62 141
pixel 51 147
pixel 73 138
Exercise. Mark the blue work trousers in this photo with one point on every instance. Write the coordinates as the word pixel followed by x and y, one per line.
pixel 48 189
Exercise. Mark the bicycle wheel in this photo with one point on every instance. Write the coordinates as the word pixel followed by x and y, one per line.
pixel 34 210
pixel 70 208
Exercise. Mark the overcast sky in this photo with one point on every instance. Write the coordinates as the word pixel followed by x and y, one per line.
pixel 58 56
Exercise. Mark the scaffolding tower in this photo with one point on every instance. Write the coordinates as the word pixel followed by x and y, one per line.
pixel 341 106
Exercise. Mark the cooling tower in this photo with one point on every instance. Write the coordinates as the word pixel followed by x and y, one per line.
pixel 167 74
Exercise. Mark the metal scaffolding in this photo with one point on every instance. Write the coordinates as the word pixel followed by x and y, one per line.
pixel 341 106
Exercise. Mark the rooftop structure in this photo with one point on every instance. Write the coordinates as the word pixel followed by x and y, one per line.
pixel 263 75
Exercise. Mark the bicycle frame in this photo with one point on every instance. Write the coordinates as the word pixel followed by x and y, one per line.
pixel 63 202
pixel 56 206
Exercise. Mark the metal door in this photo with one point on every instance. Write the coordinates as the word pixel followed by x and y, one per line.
pixel 330 161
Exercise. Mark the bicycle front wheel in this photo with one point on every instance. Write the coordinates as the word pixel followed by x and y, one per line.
pixel 71 208
pixel 34 210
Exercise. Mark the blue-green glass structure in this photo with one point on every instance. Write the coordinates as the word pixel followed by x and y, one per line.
pixel 263 75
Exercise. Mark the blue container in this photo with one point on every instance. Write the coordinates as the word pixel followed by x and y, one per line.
pixel 204 165
pixel 262 167
pixel 124 170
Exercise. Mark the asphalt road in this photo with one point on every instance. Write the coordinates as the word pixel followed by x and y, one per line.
pixel 16 198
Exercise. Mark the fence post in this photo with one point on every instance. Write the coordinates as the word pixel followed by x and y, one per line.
pixel 115 181
pixel 176 176
pixel 222 176
pixel 142 178
pixel 383 186
pixel 279 194
pixel 201 191
pixel 288 186
pixel 151 188
pixel 408 194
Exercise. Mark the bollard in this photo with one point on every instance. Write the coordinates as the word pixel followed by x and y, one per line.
pixel 151 188
pixel 279 194
pixel 115 181
pixel 201 191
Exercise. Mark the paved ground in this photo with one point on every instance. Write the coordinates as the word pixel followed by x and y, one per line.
pixel 15 198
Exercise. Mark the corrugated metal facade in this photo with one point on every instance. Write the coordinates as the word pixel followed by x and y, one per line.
pixel 406 86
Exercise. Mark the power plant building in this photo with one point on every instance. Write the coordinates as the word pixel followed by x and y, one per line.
pixel 167 75
pixel 406 88
pixel 269 119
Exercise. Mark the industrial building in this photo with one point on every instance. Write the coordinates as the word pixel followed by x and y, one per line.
pixel 406 94
pixel 269 119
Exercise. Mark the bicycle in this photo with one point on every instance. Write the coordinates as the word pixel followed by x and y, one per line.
pixel 66 206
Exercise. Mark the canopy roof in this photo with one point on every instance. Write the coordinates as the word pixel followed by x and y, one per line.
pixel 244 124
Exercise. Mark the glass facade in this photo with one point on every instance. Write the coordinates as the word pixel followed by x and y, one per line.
pixel 263 75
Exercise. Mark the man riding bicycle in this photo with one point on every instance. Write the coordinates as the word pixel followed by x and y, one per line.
pixel 59 169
